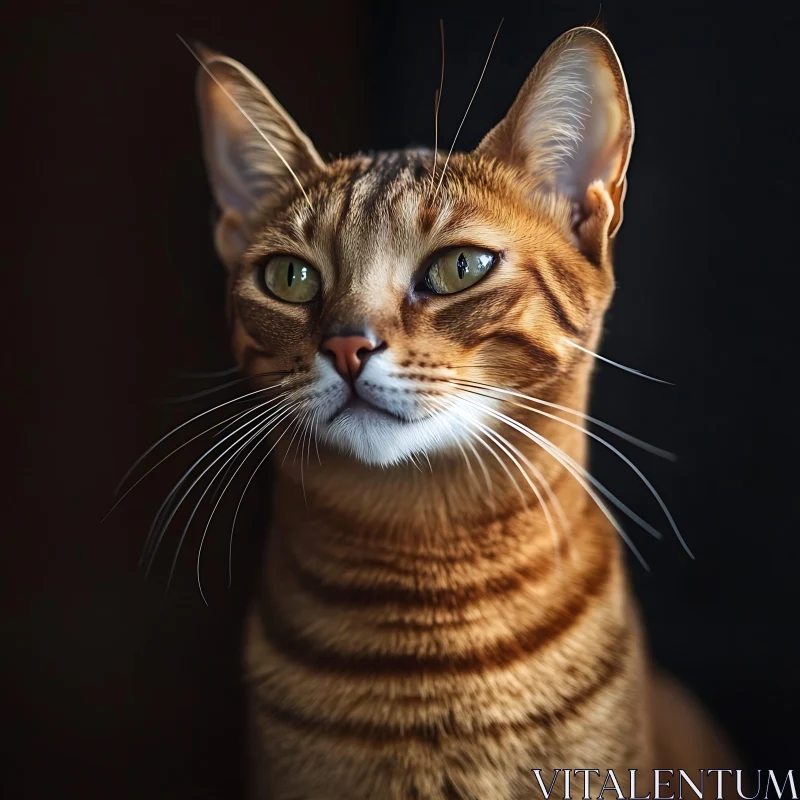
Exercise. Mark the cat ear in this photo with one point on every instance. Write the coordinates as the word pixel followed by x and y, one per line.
pixel 571 127
pixel 243 167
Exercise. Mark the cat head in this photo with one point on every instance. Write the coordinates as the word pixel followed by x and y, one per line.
pixel 383 294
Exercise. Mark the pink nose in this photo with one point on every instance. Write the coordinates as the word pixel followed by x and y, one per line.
pixel 349 353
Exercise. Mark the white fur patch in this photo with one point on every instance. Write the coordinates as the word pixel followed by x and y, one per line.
pixel 389 419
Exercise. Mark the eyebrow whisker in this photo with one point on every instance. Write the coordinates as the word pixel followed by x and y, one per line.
pixel 438 102
pixel 469 106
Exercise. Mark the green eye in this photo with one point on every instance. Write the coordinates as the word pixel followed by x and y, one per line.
pixel 458 269
pixel 291 279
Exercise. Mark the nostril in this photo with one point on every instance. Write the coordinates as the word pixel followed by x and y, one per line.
pixel 364 352
pixel 349 353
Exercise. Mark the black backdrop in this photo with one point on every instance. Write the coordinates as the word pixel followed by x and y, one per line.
pixel 116 689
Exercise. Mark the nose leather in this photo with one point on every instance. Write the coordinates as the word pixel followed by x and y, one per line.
pixel 346 352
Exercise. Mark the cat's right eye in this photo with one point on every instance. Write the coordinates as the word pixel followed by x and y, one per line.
pixel 458 269
pixel 291 279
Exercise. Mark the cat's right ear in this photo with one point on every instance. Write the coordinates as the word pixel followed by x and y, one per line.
pixel 571 127
pixel 239 118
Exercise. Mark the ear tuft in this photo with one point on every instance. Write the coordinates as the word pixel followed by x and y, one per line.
pixel 572 124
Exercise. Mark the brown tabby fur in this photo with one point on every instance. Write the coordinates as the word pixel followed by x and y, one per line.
pixel 418 634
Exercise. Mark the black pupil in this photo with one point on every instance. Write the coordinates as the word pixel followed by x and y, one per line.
pixel 462 265
pixel 290 276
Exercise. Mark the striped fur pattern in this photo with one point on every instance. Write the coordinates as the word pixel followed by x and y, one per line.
pixel 433 624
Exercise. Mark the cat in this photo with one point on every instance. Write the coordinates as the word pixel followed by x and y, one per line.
pixel 444 604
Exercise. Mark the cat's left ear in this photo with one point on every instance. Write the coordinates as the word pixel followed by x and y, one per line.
pixel 571 127
pixel 243 167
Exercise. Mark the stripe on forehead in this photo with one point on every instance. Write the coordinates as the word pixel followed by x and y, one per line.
pixel 367 208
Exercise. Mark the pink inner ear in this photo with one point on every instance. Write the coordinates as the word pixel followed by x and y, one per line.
pixel 580 120
pixel 250 142
pixel 598 147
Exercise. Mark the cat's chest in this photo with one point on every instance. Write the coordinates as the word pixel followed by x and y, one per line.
pixel 355 702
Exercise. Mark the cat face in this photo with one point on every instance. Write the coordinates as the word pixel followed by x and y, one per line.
pixel 383 294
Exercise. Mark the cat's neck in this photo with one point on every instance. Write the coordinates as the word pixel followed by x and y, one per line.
pixel 390 572
pixel 440 502
pixel 420 573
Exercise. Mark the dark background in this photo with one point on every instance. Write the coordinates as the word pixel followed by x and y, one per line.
pixel 115 688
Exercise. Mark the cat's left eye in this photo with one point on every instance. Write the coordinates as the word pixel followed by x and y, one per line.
pixel 458 268
pixel 291 279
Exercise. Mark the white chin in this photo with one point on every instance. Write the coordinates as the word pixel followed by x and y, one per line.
pixel 380 439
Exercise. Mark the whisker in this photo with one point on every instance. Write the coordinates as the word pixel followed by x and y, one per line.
pixel 157 529
pixel 425 455
pixel 232 463
pixel 235 417
pixel 180 427
pixel 615 363
pixel 217 494
pixel 630 513
pixel 566 528
pixel 215 480
pixel 312 435
pixel 469 106
pixel 245 115
pixel 505 468
pixel 636 471
pixel 562 457
pixel 195 395
pixel 472 475
pixel 503 465
pixel 220 373
pixel 289 446
pixel 504 443
pixel 316 437
pixel 259 436
pixel 239 505
pixel 545 509
pixel 486 477
pixel 259 410
pixel 306 451
pixel 508 448
pixel 248 437
pixel 230 424
pixel 413 460
pixel 437 103
pixel 301 444
pixel 574 412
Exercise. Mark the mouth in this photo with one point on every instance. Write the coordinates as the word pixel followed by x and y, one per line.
pixel 357 405
pixel 374 434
